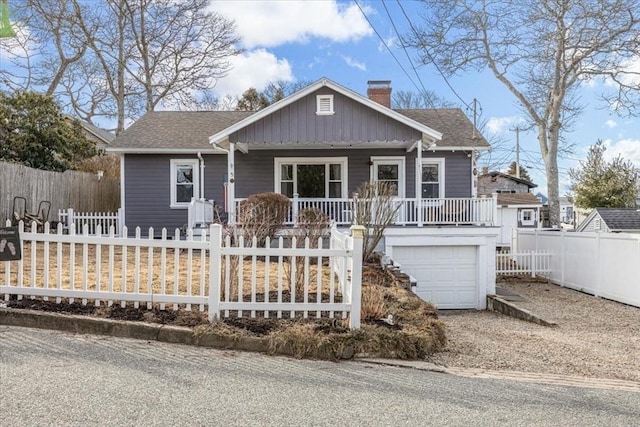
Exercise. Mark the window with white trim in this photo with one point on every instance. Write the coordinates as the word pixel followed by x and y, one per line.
pixel 324 105
pixel 184 182
pixel 527 217
pixel 432 179
pixel 312 177
pixel 389 169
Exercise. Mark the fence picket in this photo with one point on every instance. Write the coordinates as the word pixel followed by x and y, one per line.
pixel 81 275
pixel 526 262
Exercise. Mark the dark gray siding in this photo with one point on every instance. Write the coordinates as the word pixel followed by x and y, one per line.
pixel 147 190
pixel 255 170
pixel 352 121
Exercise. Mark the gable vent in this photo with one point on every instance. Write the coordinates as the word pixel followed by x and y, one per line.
pixel 324 104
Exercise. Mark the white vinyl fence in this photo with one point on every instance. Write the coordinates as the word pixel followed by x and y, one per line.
pixel 601 264
pixel 204 273
pixel 526 262
pixel 94 221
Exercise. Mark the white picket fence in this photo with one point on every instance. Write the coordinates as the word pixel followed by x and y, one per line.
pixel 207 273
pixel 601 264
pixel 526 262
pixel 94 221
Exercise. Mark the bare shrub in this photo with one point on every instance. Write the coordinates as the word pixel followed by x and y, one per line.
pixel 312 224
pixel 108 163
pixel 373 303
pixel 262 215
pixel 375 209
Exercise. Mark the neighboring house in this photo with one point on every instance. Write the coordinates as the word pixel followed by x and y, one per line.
pixel 543 199
pixel 317 146
pixel 517 207
pixel 101 137
pixel 612 220
pixel 498 182
pixel 516 211
pixel 567 211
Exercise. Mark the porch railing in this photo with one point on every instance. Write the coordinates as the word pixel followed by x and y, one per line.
pixel 446 211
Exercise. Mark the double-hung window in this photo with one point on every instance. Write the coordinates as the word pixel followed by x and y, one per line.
pixel 389 170
pixel 184 182
pixel 311 177
pixel 432 179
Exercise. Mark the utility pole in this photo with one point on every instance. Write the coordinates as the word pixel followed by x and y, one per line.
pixel 517 130
pixel 475 116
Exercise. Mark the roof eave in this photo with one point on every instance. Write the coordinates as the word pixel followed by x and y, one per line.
pixel 117 150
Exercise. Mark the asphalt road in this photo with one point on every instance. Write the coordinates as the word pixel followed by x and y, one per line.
pixel 54 378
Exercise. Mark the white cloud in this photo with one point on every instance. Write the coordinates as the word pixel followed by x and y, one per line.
pixel 20 46
pixel 497 125
pixel 391 42
pixel 611 123
pixel 274 23
pixel 354 64
pixel 256 69
pixel 628 149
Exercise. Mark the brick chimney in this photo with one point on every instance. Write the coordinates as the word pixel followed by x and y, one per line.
pixel 380 92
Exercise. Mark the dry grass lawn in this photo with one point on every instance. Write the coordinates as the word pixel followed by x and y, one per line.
pixel 155 270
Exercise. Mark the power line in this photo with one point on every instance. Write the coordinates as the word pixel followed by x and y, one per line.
pixel 430 57
pixel 385 44
pixel 444 122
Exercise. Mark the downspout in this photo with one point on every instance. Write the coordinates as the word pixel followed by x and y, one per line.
pixel 201 161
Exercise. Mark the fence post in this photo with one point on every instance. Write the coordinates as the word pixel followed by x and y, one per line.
pixel 69 218
pixel 215 243
pixel 534 256
pixel 562 257
pixel 357 233
pixel 494 209
pixel 120 222
pixel 596 288
pixel 294 209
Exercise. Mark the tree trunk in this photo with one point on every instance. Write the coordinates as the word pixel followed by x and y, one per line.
pixel 550 155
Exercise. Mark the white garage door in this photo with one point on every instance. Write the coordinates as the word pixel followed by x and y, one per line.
pixel 446 275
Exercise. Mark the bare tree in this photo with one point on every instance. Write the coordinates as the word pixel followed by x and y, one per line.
pixel 543 51
pixel 375 209
pixel 120 58
pixel 180 48
pixel 406 99
pixel 53 36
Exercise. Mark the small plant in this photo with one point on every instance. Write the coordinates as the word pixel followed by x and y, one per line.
pixel 373 303
pixel 262 215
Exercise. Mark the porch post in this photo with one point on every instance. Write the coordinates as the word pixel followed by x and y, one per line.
pixel 231 187
pixel 419 182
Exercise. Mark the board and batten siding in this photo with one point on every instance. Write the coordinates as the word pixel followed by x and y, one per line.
pixel 298 122
pixel 147 189
pixel 254 171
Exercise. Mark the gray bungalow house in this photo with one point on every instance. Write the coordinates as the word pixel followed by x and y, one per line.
pixel 317 146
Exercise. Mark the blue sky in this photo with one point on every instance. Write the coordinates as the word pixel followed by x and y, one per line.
pixel 306 40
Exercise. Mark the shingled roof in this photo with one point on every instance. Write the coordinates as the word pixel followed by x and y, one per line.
pixel 166 131
pixel 456 129
pixel 175 130
pixel 618 219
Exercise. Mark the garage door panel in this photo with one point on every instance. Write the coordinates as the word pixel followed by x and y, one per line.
pixel 445 275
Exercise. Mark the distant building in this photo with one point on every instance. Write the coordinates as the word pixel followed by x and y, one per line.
pixel 498 182
pixel 612 220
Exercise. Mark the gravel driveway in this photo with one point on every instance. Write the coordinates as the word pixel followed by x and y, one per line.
pixel 594 337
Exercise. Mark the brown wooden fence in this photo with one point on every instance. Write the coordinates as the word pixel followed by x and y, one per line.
pixel 71 189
